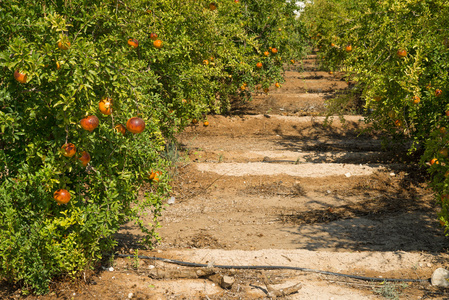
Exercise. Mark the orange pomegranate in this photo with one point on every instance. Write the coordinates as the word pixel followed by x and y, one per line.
pixel 133 43
pixel 154 176
pixel 105 106
pixel 135 125
pixel 63 45
pixel 68 150
pixel 119 128
pixel 20 77
pixel 157 44
pixel 89 123
pixel 401 53
pixel 62 196
pixel 84 158
pixel 213 6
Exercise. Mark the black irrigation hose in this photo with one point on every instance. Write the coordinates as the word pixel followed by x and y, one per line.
pixel 189 264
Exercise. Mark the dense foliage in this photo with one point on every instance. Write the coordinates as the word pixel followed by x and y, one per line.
pixel 166 62
pixel 398 53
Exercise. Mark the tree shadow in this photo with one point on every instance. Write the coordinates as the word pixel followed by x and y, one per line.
pixel 344 143
pixel 402 217
pixel 411 231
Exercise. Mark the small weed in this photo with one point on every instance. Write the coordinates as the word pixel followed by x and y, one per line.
pixel 172 153
pixel 176 157
pixel 111 260
pixel 390 290
pixel 135 262
pixel 136 259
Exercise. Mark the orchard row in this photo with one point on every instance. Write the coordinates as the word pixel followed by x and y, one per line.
pixel 134 125
pixel 157 66
pixel 397 53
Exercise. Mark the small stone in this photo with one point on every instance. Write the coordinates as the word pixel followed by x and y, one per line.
pixel 429 265
pixel 440 278
pixel 348 175
pixel 111 269
pixel 392 174
pixel 171 200
pixel 151 267
pixel 227 282
pixel 328 191
pixel 130 295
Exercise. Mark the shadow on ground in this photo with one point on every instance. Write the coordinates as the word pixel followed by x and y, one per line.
pixel 402 218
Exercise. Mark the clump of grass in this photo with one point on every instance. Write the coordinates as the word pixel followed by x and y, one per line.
pixel 390 290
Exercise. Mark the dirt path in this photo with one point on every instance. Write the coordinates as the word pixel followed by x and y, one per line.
pixel 274 184
pixel 286 181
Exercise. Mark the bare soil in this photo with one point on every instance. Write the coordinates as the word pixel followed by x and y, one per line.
pixel 276 184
